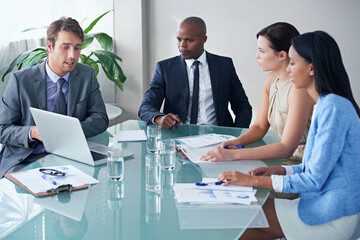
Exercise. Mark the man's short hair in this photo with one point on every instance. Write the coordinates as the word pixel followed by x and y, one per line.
pixel 197 21
pixel 67 24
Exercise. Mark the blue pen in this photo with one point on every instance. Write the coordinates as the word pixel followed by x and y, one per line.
pixel 234 146
pixel 175 119
pixel 242 196
pixel 206 184
pixel 201 184
pixel 50 180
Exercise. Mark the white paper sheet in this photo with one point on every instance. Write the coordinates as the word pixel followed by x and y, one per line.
pixel 211 186
pixel 191 193
pixel 131 136
pixel 205 140
pixel 34 181
pixel 194 154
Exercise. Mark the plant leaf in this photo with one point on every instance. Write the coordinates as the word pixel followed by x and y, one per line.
pixel 110 54
pixel 105 41
pixel 107 61
pixel 88 40
pixel 35 58
pixel 34 28
pixel 17 61
pixel 96 66
pixel 88 61
pixel 111 68
pixel 83 58
pixel 118 83
pixel 88 29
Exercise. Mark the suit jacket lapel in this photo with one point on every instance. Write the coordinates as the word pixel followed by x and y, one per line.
pixel 214 70
pixel 73 91
pixel 40 86
pixel 181 74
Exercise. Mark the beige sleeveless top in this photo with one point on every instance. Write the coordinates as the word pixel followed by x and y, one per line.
pixel 277 114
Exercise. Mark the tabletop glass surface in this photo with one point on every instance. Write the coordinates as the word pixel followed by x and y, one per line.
pixel 125 210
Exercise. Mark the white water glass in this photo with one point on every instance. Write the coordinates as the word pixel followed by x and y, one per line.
pixel 153 138
pixel 168 155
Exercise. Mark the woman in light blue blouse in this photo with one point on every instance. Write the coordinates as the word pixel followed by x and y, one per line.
pixel 328 179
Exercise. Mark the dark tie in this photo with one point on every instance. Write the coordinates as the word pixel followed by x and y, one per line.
pixel 60 103
pixel 195 96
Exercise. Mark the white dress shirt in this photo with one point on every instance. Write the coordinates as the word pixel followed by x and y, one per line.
pixel 206 115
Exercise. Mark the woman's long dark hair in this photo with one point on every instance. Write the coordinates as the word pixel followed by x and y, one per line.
pixel 279 34
pixel 320 49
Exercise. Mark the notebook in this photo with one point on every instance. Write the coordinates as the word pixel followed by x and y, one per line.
pixel 62 135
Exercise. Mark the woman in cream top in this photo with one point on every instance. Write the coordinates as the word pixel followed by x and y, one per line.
pixel 277 115
pixel 286 109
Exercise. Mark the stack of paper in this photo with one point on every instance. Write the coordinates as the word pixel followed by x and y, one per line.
pixel 196 146
pixel 211 193
pixel 205 140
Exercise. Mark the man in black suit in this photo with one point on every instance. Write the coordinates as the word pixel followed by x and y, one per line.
pixel 197 86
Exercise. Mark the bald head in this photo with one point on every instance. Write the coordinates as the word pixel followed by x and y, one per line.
pixel 191 37
pixel 197 23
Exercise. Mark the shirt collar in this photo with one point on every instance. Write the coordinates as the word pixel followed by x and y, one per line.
pixel 201 59
pixel 53 76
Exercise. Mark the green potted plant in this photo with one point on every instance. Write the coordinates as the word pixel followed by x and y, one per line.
pixel 106 58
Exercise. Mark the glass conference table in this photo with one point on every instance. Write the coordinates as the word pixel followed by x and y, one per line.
pixel 125 210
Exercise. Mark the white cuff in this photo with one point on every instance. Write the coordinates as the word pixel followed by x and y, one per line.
pixel 31 139
pixel 288 170
pixel 153 119
pixel 277 182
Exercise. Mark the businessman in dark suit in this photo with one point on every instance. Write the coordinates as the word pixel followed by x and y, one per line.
pixel 78 95
pixel 197 86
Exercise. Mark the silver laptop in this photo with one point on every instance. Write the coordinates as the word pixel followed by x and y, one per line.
pixel 62 135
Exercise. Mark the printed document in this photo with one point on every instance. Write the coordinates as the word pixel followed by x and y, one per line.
pixel 191 193
pixel 205 140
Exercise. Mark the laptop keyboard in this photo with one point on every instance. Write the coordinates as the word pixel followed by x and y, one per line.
pixel 97 156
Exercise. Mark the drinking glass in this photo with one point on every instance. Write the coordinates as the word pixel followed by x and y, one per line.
pixel 168 155
pixel 153 138
pixel 115 163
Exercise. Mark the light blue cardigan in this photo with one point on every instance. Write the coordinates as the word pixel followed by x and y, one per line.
pixel 328 179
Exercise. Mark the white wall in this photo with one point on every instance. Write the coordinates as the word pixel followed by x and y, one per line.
pixel 129 25
pixel 232 26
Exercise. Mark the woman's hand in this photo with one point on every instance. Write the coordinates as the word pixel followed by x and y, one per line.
pixel 229 143
pixel 267 171
pixel 218 154
pixel 236 178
